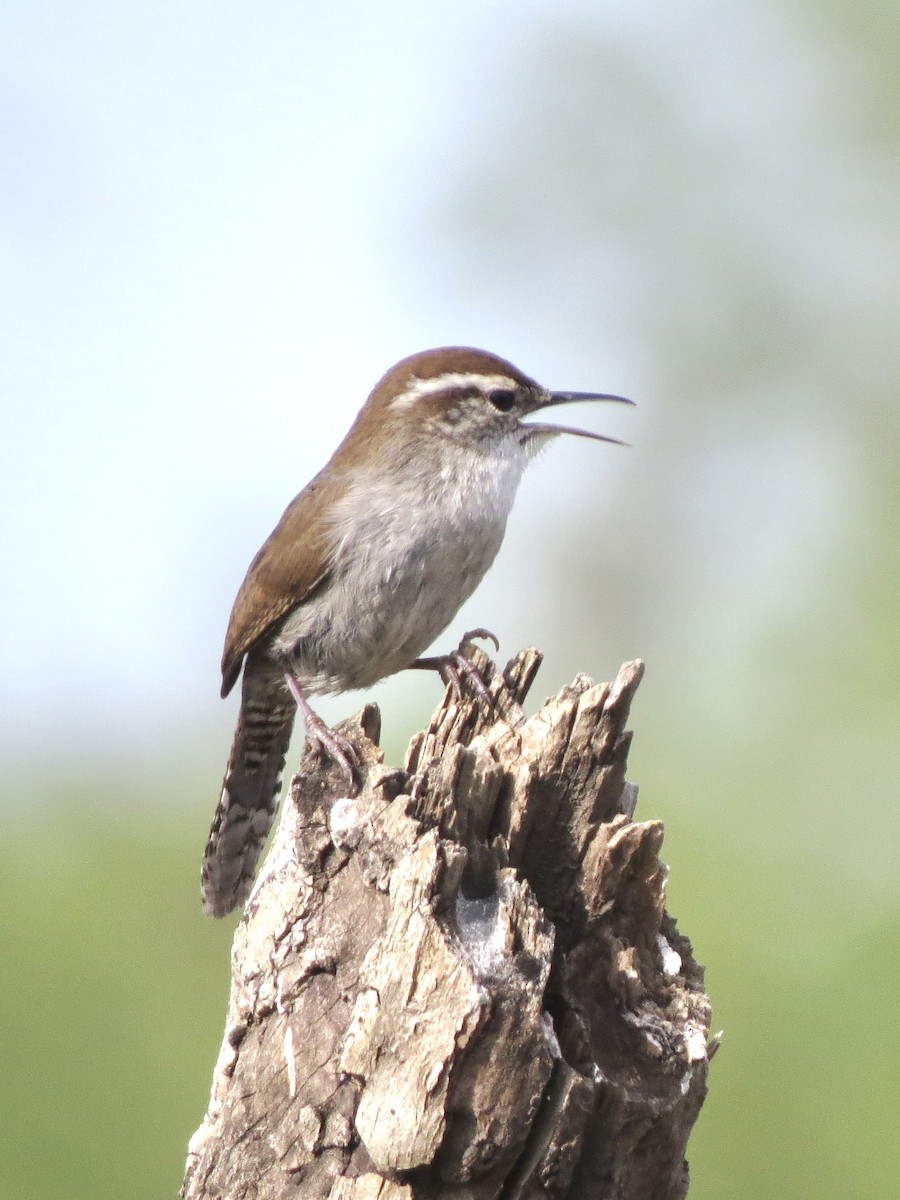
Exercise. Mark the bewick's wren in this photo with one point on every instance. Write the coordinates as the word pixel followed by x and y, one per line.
pixel 366 567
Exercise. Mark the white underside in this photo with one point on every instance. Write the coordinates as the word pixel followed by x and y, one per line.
pixel 401 569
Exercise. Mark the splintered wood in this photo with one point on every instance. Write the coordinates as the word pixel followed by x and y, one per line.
pixel 462 983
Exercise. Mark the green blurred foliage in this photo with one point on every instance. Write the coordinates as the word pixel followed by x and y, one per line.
pixel 803 972
pixel 113 991
pixel 114 986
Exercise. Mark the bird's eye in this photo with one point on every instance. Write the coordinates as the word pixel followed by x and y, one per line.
pixel 502 399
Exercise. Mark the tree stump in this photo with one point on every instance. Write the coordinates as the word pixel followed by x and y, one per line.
pixel 462 983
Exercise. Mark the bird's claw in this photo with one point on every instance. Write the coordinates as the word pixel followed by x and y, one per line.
pixel 324 741
pixel 338 750
pixel 484 634
pixel 456 667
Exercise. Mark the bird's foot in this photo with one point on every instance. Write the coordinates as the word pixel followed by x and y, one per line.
pixel 455 668
pixel 324 740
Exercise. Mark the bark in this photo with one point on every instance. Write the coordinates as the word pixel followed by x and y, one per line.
pixel 463 983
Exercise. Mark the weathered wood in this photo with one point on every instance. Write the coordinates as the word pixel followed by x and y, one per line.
pixel 462 983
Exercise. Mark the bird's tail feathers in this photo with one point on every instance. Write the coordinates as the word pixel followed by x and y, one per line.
pixel 250 789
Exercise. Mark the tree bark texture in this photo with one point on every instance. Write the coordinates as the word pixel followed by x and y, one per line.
pixel 462 983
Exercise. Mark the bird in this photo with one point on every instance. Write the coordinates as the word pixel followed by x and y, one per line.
pixel 369 563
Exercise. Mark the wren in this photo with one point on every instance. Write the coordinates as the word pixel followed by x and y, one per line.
pixel 367 566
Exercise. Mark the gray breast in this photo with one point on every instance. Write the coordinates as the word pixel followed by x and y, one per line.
pixel 399 573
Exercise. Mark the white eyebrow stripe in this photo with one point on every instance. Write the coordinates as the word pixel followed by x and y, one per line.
pixel 451 379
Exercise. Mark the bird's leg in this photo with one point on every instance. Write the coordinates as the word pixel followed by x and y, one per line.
pixel 454 667
pixel 319 735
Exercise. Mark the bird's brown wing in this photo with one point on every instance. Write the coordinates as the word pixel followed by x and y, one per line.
pixel 291 563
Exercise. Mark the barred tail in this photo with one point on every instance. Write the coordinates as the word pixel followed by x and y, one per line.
pixel 250 789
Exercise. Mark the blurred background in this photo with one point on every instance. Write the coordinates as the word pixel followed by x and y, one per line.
pixel 218 227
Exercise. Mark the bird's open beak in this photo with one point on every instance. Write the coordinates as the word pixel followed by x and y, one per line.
pixel 553 398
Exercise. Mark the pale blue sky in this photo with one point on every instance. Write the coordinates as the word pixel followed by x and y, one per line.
pixel 219 226
pixel 213 224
